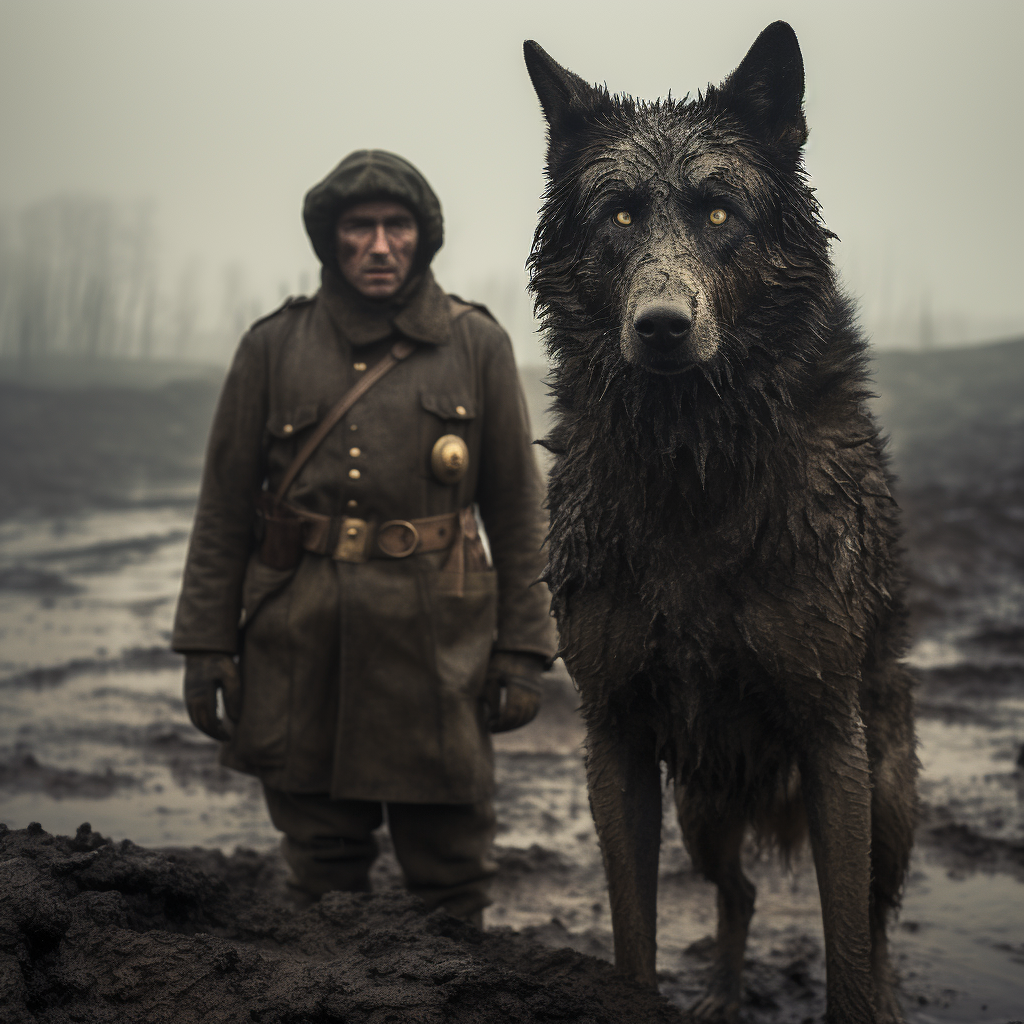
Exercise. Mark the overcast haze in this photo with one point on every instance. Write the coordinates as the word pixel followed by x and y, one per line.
pixel 223 114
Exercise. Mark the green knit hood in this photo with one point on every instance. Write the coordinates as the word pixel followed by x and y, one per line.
pixel 363 176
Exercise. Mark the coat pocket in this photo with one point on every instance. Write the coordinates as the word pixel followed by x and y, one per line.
pixel 448 438
pixel 260 741
pixel 261 582
pixel 448 407
pixel 286 423
pixel 464 632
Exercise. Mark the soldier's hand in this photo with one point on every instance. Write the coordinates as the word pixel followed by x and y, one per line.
pixel 513 690
pixel 205 674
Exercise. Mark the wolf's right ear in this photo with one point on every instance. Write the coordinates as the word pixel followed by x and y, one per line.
pixel 767 89
pixel 562 94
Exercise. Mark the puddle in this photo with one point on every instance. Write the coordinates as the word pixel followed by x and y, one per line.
pixel 960 947
pixel 103 738
pixel 105 582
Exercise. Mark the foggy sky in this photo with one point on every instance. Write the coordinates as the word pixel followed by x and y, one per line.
pixel 225 113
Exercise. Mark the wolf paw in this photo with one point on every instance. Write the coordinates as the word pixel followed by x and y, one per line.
pixel 715 1008
pixel 888 1009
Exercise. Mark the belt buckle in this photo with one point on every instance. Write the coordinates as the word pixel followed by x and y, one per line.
pixel 353 542
pixel 398 538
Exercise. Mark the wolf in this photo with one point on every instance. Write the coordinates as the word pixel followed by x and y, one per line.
pixel 724 552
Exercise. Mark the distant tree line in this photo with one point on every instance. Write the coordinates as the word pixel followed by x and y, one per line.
pixel 80 276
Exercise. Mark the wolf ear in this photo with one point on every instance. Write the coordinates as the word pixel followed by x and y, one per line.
pixel 562 94
pixel 767 90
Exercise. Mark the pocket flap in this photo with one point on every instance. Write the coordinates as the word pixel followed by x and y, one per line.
pixel 289 422
pixel 448 407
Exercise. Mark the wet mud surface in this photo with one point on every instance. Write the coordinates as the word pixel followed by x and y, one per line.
pixel 110 932
pixel 190 911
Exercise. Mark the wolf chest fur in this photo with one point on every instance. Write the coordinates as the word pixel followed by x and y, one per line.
pixel 723 552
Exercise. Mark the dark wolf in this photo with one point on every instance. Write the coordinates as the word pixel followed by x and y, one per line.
pixel 724 548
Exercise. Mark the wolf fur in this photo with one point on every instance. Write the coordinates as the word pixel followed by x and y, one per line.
pixel 723 553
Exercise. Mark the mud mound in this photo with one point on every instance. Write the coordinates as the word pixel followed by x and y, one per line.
pixel 93 931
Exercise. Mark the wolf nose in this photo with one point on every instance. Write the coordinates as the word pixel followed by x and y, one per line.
pixel 663 328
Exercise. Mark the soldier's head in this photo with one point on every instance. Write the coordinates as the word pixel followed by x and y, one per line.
pixel 360 219
pixel 376 244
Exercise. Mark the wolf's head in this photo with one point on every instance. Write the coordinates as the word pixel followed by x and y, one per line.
pixel 679 240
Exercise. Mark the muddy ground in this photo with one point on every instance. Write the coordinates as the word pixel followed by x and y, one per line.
pixel 192 923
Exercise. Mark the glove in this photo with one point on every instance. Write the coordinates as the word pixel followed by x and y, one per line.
pixel 205 673
pixel 516 677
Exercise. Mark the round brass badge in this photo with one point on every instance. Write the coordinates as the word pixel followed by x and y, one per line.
pixel 449 459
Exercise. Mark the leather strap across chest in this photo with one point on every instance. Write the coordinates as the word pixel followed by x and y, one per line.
pixel 399 351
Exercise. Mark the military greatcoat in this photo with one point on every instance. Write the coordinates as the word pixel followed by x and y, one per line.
pixel 364 679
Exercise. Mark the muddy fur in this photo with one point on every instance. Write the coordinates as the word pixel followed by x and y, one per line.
pixel 723 554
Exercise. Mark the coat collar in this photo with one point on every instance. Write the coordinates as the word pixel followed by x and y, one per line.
pixel 424 316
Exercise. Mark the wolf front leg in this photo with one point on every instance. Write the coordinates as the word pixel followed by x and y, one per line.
pixel 624 783
pixel 837 794
pixel 714 838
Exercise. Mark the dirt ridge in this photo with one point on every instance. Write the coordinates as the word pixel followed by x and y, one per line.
pixel 96 931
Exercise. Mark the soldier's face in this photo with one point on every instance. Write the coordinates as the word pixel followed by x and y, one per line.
pixel 376 246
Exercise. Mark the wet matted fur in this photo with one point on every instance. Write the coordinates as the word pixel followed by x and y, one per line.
pixel 724 555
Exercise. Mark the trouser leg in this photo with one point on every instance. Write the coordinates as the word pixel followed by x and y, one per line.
pixel 328 844
pixel 445 854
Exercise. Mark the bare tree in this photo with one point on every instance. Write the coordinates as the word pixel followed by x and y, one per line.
pixel 185 311
pixel 138 299
pixel 147 319
pixel 79 275
pixel 34 314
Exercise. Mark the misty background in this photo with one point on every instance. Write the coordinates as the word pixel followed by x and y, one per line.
pixel 154 156
pixel 153 161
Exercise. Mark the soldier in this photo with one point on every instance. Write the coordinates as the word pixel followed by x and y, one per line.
pixel 364 641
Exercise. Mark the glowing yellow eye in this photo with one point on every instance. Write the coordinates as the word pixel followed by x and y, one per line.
pixel 718 216
pixel 623 218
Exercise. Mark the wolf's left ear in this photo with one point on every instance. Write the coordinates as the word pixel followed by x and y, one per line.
pixel 562 94
pixel 767 90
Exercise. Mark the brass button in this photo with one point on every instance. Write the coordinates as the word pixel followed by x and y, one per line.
pixel 354 452
pixel 352 531
pixel 354 474
pixel 352 503
pixel 359 366
pixel 353 427
pixel 287 428
pixel 461 410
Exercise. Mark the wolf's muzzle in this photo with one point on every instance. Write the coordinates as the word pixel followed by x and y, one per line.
pixel 662 328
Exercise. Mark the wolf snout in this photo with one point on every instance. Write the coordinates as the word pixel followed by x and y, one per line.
pixel 662 328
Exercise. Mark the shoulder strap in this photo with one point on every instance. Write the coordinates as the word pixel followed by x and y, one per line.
pixel 459 307
pixel 398 352
pixel 289 303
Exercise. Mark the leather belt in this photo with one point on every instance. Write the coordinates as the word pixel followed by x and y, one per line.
pixel 349 539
